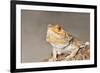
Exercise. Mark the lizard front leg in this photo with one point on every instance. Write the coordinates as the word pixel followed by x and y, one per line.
pixel 54 54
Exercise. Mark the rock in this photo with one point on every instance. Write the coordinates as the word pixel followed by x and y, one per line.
pixel 83 54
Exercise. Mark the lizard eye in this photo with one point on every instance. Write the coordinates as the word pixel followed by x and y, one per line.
pixel 59 28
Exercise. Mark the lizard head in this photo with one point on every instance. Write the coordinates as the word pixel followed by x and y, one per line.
pixel 57 29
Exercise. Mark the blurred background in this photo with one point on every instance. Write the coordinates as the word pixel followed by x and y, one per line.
pixel 34 28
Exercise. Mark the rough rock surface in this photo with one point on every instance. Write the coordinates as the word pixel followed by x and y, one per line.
pixel 82 54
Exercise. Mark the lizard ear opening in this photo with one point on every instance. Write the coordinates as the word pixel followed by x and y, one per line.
pixel 69 36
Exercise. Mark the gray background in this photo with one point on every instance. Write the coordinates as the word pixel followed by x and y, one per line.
pixel 34 28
